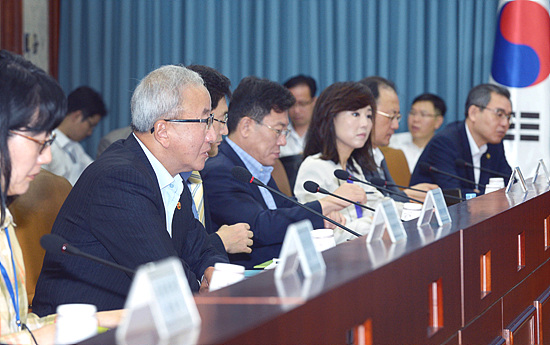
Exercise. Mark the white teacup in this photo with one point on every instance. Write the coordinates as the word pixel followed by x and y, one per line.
pixel 75 322
pixel 411 210
pixel 225 275
pixel 323 239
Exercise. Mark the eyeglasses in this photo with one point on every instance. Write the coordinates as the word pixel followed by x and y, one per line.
pixel 279 132
pixel 43 143
pixel 224 121
pixel 500 113
pixel 413 113
pixel 302 104
pixel 391 117
pixel 209 120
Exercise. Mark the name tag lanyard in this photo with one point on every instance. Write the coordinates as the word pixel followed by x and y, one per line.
pixel 358 209
pixel 13 294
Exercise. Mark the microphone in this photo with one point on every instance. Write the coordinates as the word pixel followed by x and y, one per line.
pixel 462 163
pixel 313 187
pixel 53 243
pixel 381 182
pixel 426 167
pixel 244 175
pixel 344 175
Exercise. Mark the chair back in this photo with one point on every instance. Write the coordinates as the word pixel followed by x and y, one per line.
pixel 397 165
pixel 34 213
pixel 281 178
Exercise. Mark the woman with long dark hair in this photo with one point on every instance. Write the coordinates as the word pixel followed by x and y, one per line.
pixel 339 138
pixel 32 104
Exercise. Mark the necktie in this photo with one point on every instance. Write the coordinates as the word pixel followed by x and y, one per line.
pixel 197 191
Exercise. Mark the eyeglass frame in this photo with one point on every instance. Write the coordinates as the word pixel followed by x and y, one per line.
pixel 508 116
pixel 303 104
pixel 43 143
pixel 397 117
pixel 209 121
pixel 423 115
pixel 279 132
pixel 225 118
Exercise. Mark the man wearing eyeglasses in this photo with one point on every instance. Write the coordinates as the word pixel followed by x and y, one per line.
pixel 425 117
pixel 234 238
pixel 476 140
pixel 131 205
pixel 85 108
pixel 258 127
pixel 303 89
pixel 386 122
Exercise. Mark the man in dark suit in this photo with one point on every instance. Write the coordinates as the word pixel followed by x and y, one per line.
pixel 131 206
pixel 386 123
pixel 235 238
pixel 257 123
pixel 477 140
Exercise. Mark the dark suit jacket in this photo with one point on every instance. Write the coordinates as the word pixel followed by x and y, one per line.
pixel 449 145
pixel 232 201
pixel 398 194
pixel 115 211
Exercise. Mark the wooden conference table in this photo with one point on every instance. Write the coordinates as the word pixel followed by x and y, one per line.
pixel 483 280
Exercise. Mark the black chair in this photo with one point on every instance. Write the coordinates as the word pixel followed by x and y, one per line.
pixel 292 164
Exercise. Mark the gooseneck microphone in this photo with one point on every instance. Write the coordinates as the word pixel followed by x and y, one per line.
pixel 426 167
pixel 245 176
pixel 54 243
pixel 344 175
pixel 313 187
pixel 462 163
pixel 383 183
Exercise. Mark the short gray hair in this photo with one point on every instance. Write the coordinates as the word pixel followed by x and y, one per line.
pixel 158 95
pixel 480 95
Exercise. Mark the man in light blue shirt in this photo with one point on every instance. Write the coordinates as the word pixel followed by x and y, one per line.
pixel 258 126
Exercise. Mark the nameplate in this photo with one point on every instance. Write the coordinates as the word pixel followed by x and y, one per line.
pixel 159 306
pixel 386 220
pixel 516 173
pixel 298 249
pixel 541 168
pixel 434 203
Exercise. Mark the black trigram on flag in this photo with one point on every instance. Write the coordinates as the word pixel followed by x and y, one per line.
pixel 526 125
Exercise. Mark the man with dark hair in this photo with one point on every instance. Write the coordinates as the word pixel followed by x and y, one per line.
pixel 477 140
pixel 258 126
pixel 425 117
pixel 386 122
pixel 235 238
pixel 85 110
pixel 303 89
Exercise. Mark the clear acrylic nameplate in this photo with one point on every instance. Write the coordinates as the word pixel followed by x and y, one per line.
pixel 386 219
pixel 434 203
pixel 516 173
pixel 160 306
pixel 298 249
pixel 541 167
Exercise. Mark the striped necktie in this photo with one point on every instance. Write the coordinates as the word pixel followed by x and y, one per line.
pixel 195 186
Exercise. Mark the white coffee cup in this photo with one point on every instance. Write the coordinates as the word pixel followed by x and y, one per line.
pixel 497 182
pixel 323 239
pixel 411 210
pixel 225 275
pixel 75 322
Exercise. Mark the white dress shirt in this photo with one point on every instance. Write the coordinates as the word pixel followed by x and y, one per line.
pixel 294 143
pixel 476 152
pixel 403 141
pixel 68 158
pixel 171 187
